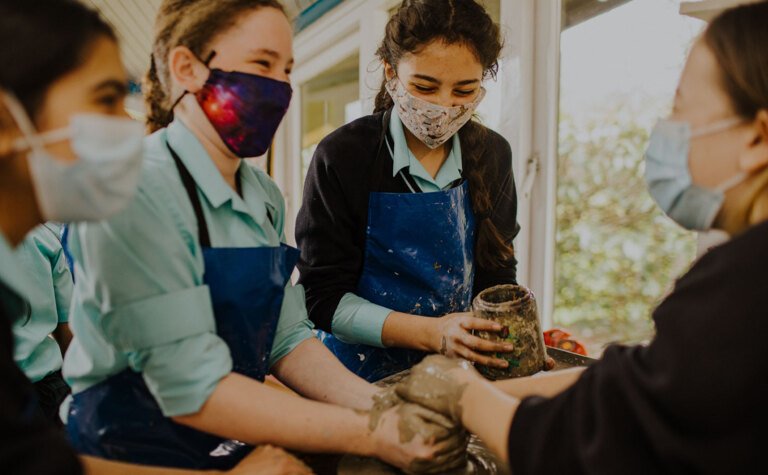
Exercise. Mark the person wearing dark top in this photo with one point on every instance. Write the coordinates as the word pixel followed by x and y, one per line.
pixel 694 399
pixel 67 152
pixel 410 212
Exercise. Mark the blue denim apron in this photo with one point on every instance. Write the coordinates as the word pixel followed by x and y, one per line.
pixel 120 419
pixel 419 259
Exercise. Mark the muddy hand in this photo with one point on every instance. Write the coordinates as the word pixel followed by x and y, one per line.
pixel 401 446
pixel 438 383
pixel 453 337
pixel 414 438
pixel 451 458
pixel 268 460
pixel 451 440
pixel 430 425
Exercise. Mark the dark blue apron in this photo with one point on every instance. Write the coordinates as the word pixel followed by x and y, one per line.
pixel 419 259
pixel 119 418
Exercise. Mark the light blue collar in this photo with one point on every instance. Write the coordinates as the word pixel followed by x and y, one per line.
pixel 209 179
pixel 402 157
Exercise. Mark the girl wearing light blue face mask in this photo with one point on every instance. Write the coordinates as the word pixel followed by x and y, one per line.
pixel 694 399
pixel 67 152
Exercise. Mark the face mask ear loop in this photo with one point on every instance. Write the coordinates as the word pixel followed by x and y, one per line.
pixel 20 116
pixel 207 61
pixel 731 182
pixel 720 126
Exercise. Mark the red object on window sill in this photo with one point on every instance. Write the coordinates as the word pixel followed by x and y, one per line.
pixel 562 340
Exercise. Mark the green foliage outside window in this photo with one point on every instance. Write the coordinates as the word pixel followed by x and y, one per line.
pixel 617 254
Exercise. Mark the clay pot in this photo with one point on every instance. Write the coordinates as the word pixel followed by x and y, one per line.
pixel 514 307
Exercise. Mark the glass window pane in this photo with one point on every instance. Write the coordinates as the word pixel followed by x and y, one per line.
pixel 616 253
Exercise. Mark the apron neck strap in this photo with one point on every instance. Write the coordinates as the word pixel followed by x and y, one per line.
pixel 191 188
pixel 410 182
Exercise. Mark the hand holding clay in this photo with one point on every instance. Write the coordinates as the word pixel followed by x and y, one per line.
pixel 268 460
pixel 414 438
pixel 453 337
pixel 438 383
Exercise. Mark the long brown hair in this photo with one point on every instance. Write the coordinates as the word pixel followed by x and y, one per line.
pixel 190 23
pixel 420 22
pixel 739 40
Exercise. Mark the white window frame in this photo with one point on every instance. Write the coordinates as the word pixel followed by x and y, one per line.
pixel 531 91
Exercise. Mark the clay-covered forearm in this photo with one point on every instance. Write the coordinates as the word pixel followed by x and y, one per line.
pixel 243 409
pixel 402 330
pixel 542 384
pixel 312 371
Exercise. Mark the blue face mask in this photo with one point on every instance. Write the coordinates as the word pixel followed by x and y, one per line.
pixel 669 177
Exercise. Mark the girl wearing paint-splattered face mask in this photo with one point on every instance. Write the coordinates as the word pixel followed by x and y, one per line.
pixel 410 212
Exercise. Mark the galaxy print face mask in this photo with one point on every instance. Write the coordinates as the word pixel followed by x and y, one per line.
pixel 245 109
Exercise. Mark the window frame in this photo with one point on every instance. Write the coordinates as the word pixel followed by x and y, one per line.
pixel 532 87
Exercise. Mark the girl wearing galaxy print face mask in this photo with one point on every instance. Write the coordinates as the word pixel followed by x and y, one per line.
pixel 185 300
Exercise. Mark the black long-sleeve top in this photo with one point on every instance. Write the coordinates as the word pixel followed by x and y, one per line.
pixel 28 443
pixel 694 401
pixel 347 166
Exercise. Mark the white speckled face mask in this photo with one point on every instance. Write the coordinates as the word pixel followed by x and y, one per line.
pixel 433 124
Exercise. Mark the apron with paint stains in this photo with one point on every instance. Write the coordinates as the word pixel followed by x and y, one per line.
pixel 120 419
pixel 419 259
